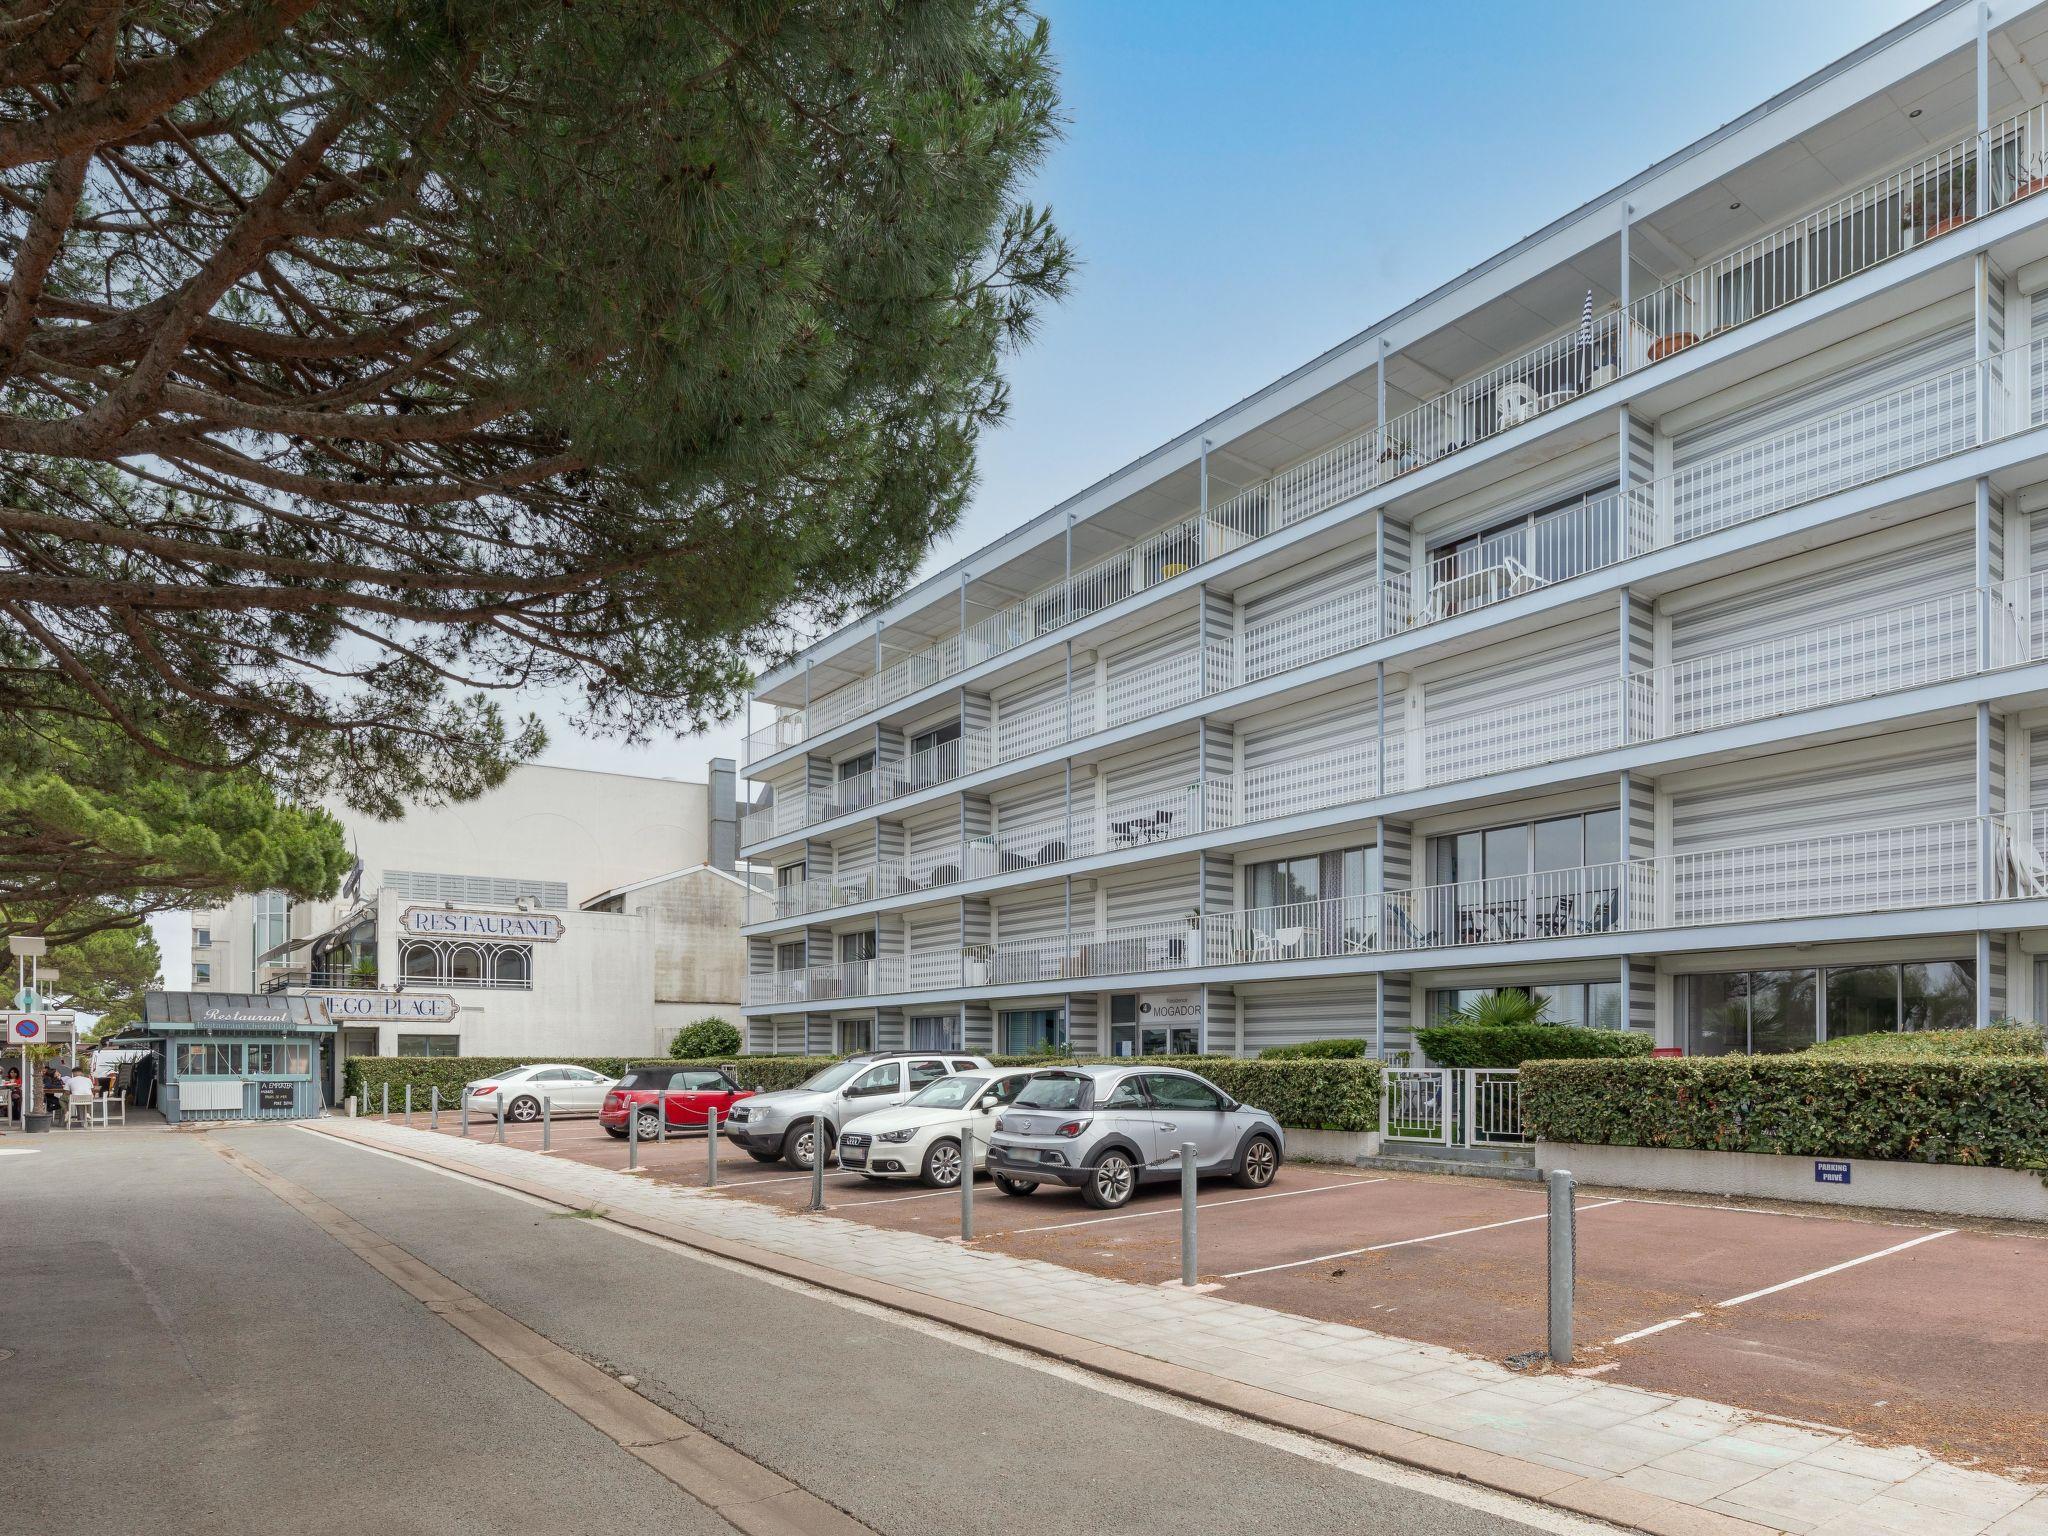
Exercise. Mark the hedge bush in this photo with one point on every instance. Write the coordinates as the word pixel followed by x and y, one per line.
pixel 709 1036
pixel 1983 1111
pixel 1509 1045
pixel 1302 1095
pixel 2000 1040
pixel 1316 1050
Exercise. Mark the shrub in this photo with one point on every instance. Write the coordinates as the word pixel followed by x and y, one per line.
pixel 709 1036
pixel 1988 1111
pixel 1315 1050
pixel 1509 1045
pixel 1503 1008
pixel 2000 1040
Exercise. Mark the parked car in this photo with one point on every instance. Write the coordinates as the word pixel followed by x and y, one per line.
pixel 922 1139
pixel 1106 1130
pixel 568 1090
pixel 780 1125
pixel 690 1096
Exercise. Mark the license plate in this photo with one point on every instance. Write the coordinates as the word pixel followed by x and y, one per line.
pixel 853 1157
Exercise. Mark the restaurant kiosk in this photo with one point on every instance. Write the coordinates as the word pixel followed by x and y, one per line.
pixel 233 1056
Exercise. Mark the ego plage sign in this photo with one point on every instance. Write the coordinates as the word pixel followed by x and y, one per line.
pixel 516 927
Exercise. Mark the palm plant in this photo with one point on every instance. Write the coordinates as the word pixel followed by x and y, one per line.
pixel 1503 1008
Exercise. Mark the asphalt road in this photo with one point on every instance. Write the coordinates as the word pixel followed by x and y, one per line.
pixel 190 1353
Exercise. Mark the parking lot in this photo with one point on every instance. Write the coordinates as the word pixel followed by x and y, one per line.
pixel 1900 1330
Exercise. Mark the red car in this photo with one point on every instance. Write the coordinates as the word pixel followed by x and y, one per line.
pixel 691 1094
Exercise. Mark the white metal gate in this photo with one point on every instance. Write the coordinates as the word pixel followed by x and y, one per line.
pixel 1452 1106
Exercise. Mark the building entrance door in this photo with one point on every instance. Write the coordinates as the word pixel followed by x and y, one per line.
pixel 354 1042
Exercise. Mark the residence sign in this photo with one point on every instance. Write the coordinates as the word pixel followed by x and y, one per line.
pixel 386 1007
pixel 513 927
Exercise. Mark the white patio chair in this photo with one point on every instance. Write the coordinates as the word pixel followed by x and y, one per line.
pixel 78 1110
pixel 2030 870
pixel 1280 944
pixel 112 1107
pixel 1514 403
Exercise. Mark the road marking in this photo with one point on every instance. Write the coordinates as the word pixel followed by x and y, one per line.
pixel 19 1151
pixel 1174 1209
pixel 1784 1285
pixel 1352 1253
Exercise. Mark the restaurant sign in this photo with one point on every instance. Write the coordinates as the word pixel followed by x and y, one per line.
pixel 386 1007
pixel 441 923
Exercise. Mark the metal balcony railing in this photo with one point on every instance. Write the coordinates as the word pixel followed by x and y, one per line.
pixel 1849 235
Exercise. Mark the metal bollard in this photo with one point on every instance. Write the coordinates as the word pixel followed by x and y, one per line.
pixel 967 1182
pixel 434 1107
pixel 711 1149
pixel 1187 1214
pixel 818 1162
pixel 661 1126
pixel 462 1107
pixel 408 1106
pixel 501 1119
pixel 1563 1260
pixel 632 1141
pixel 547 1122
pixel 387 1101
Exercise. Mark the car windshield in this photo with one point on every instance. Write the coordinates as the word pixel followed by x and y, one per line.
pixel 950 1093
pixel 1059 1091
pixel 833 1076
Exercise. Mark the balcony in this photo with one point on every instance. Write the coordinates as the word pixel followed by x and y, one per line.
pixel 1849 235
pixel 1949 411
pixel 822 983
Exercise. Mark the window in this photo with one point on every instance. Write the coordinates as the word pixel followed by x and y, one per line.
pixel 202 970
pixel 272 924
pixel 202 938
pixel 790 957
pixel 1128 1094
pixel 1127 1037
pixel 935 755
pixel 854 767
pixel 1055 1090
pixel 1310 904
pixel 1858 239
pixel 858 946
pixel 1757 286
pixel 1169 1090
pixel 512 967
pixel 1596 1004
pixel 209 1058
pixel 877 1080
pixel 1552 542
pixel 420 962
pixel 699 1080
pixel 278 1058
pixel 856 1035
pixel 789 875
pixel 1767 1012
pixel 934 1032
pixel 1532 879
pixel 856 782
pixel 1025 1030
pixel 923 1073
pixel 430 1045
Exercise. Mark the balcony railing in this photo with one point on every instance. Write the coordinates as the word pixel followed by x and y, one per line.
pixel 1847 236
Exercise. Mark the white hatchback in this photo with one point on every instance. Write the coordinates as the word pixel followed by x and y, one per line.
pixel 921 1139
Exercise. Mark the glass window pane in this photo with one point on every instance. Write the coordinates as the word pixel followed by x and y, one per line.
pixel 1567 1001
pixel 1939 995
pixel 1862 1000
pixel 465 964
pixel 1717 1015
pixel 1603 1005
pixel 1784 1011
pixel 1557 843
pixel 1603 837
pixel 1506 852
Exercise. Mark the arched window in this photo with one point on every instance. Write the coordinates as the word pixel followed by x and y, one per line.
pixel 465 965
pixel 421 962
pixel 511 968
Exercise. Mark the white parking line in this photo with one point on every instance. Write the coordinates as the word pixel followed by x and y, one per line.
pixel 1783 1285
pixel 1352 1253
pixel 1174 1209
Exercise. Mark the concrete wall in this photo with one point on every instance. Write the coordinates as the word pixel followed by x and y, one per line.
pixel 1945 1188
pixel 699 955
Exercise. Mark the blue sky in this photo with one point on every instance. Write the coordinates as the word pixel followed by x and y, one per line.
pixel 1247 185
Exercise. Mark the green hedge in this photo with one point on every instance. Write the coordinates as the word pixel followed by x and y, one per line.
pixel 2000 1040
pixel 1316 1050
pixel 1302 1095
pixel 1509 1045
pixel 1984 1111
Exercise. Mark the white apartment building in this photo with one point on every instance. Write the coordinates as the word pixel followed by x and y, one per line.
pixel 1654 617
pixel 565 912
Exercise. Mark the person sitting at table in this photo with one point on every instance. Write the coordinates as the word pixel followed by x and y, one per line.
pixel 53 1090
pixel 79 1085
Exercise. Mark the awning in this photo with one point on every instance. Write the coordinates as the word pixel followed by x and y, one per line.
pixel 190 1012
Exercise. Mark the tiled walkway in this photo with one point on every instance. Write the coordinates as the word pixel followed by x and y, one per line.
pixel 1598 1442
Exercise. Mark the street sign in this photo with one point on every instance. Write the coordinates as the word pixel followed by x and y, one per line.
pixel 27 1028
pixel 27 1001
pixel 1830 1172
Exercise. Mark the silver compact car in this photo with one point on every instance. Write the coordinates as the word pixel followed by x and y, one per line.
pixel 783 1124
pixel 1106 1130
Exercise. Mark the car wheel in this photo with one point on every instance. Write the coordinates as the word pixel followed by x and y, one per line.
pixel 796 1146
pixel 1260 1162
pixel 764 1157
pixel 523 1110
pixel 1111 1182
pixel 650 1124
pixel 1018 1187
pixel 942 1165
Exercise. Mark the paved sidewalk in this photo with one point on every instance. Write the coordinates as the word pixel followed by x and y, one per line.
pixel 1655 1462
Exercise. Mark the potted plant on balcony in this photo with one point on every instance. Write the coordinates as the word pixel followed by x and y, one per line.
pixel 364 972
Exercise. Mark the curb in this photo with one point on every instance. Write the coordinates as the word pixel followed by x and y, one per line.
pixel 1598 1498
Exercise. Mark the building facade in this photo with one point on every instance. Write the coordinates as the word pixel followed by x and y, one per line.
pixel 1654 618
pixel 563 913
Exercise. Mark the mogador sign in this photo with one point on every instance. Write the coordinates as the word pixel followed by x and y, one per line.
pixel 440 923
pixel 386 1007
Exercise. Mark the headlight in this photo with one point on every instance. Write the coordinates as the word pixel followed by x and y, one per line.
pixel 899 1137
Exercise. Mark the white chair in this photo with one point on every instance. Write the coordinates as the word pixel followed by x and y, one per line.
pixel 2029 869
pixel 1514 403
pixel 1280 944
pixel 112 1107
pixel 78 1110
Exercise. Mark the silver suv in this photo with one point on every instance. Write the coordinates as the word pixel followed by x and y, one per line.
pixel 782 1124
pixel 1106 1130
